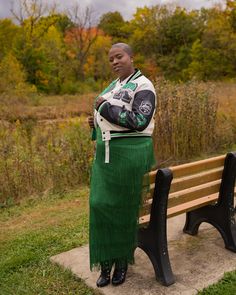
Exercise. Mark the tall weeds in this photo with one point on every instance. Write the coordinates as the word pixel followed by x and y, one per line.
pixel 35 158
pixel 185 120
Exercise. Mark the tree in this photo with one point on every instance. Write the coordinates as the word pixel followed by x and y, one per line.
pixel 144 27
pixel 52 74
pixel 113 24
pixel 13 78
pixel 165 35
pixel 80 38
pixel 28 13
pixel 213 57
pixel 33 48
pixel 230 11
pixel 8 33
pixel 97 65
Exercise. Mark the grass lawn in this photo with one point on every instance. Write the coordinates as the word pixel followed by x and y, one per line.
pixel 34 231
pixel 39 228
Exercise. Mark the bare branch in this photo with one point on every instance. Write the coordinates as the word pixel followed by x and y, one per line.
pixel 30 9
pixel 83 33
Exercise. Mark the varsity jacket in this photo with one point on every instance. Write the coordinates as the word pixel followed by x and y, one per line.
pixel 127 110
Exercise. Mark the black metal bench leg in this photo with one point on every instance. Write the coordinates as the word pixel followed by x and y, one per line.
pixel 220 215
pixel 158 254
pixel 223 221
pixel 153 240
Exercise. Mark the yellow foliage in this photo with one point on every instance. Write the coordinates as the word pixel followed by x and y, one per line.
pixel 13 78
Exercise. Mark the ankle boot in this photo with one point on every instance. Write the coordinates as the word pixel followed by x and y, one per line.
pixel 119 275
pixel 104 278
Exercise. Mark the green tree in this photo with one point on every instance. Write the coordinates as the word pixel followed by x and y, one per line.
pixel 8 32
pixel 52 74
pixel 177 32
pixel 98 66
pixel 36 20
pixel 214 56
pixel 165 34
pixel 231 12
pixel 113 24
pixel 144 28
pixel 13 78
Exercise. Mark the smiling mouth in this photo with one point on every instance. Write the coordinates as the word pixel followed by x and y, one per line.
pixel 116 69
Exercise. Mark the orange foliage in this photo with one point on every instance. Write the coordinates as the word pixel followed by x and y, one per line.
pixel 75 35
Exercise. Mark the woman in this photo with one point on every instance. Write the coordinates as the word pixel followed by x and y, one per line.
pixel 123 122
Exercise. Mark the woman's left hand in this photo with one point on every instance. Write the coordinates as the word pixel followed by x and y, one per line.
pixel 91 122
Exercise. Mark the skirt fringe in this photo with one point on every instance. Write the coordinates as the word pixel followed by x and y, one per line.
pixel 115 197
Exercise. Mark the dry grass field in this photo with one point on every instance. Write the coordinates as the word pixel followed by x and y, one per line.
pixel 44 108
pixel 225 93
pixel 45 144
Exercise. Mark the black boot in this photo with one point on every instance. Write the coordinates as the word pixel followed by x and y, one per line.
pixel 104 278
pixel 119 274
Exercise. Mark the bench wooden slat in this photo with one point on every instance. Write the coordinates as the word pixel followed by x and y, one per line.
pixel 144 219
pixel 146 207
pixel 183 208
pixel 192 193
pixel 191 168
pixel 195 167
pixel 172 211
pixel 152 176
pixel 203 189
pixel 182 183
pixel 189 206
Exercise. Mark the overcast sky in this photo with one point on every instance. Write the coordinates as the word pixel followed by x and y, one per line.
pixel 126 7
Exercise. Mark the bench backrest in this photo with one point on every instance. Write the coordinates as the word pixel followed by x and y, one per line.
pixel 194 185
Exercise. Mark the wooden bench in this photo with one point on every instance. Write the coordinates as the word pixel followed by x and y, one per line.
pixel 204 190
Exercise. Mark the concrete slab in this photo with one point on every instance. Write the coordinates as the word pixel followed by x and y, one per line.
pixel 196 262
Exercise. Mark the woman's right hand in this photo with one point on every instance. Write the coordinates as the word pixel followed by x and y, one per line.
pixel 91 122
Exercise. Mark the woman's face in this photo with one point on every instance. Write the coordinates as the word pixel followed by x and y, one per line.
pixel 121 62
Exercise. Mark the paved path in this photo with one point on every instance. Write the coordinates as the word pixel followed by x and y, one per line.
pixel 196 263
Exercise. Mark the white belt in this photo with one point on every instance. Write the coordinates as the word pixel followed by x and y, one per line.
pixel 106 136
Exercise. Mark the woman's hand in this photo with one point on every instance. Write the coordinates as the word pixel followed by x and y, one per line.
pixel 99 101
pixel 91 122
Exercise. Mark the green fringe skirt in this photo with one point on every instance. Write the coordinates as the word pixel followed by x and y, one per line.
pixel 115 196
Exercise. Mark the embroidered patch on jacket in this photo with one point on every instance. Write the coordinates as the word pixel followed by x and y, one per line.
pixel 124 95
pixel 141 120
pixel 130 85
pixel 145 108
pixel 118 95
pixel 123 118
pixel 127 95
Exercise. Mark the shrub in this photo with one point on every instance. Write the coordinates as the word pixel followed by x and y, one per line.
pixel 34 158
pixel 13 87
pixel 185 120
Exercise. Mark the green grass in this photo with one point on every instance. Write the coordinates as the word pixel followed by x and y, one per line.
pixel 226 286
pixel 39 228
pixel 34 231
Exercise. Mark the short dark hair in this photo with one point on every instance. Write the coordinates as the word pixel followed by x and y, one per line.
pixel 125 47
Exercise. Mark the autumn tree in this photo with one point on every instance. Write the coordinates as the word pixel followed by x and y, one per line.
pixel 144 28
pixel 213 57
pixel 230 11
pixel 8 33
pixel 13 78
pixel 113 24
pixel 97 65
pixel 30 14
pixel 80 38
